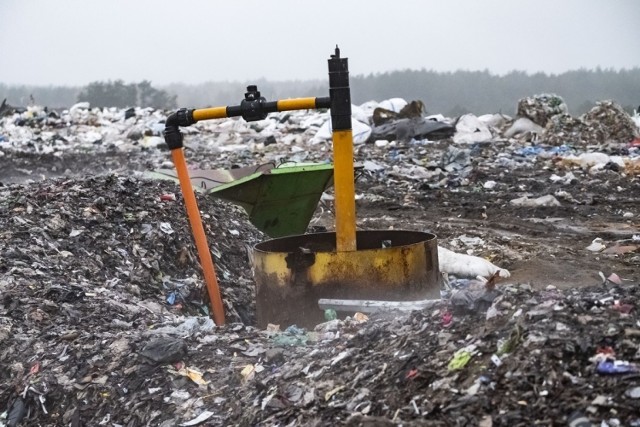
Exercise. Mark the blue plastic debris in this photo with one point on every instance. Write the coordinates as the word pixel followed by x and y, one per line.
pixel 171 298
pixel 529 151
pixel 613 367
pixel 560 149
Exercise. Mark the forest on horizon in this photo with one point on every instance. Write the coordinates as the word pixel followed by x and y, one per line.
pixel 448 93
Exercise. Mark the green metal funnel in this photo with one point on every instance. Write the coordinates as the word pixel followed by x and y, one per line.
pixel 280 201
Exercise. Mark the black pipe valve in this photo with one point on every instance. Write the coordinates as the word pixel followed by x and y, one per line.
pixel 253 105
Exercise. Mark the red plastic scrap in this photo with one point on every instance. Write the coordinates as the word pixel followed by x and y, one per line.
pixel 622 308
pixel 614 278
pixel 35 368
pixel 412 374
pixel 606 351
pixel 176 307
pixel 168 197
pixel 447 319
pixel 635 143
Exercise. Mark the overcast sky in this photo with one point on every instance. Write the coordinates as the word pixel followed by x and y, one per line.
pixel 75 42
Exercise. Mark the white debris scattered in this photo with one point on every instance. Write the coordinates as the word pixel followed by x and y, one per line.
pixel 566 179
pixel 166 228
pixel 361 132
pixel 470 130
pixel 494 120
pixel 463 265
pixel 204 416
pixel 544 201
pixel 381 143
pixel 359 114
pixel 636 119
pixel 372 166
pixel 596 245
pixel 521 126
pixel 470 241
pixel 393 104
pixel 79 106
pixel 593 161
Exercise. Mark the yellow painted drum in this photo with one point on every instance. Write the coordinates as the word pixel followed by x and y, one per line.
pixel 293 273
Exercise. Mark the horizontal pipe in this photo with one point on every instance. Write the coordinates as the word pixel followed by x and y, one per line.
pixel 269 107
pixel 210 113
pixel 297 104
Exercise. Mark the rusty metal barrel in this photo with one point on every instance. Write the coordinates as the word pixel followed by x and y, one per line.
pixel 292 273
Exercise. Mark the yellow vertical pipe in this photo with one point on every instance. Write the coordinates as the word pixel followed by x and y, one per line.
pixel 343 179
pixel 199 236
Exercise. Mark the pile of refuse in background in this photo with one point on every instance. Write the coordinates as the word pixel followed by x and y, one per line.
pixel 300 136
pixel 103 320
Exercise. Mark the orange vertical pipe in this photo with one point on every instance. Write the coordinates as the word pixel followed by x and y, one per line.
pixel 198 234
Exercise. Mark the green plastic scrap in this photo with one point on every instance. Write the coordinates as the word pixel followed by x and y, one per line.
pixel 462 357
pixel 330 314
pixel 284 340
pixel 293 336
pixel 510 344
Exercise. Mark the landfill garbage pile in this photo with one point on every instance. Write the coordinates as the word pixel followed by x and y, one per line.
pixel 615 124
pixel 606 122
pixel 522 357
pixel 113 237
pixel 88 262
pixel 540 108
pixel 103 320
pixel 530 358
pixel 564 127
pixel 81 128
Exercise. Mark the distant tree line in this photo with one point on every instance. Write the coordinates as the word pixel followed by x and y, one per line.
pixel 99 94
pixel 449 93
pixel 121 94
pixel 51 96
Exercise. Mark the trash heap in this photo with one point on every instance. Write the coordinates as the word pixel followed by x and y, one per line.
pixel 87 262
pixel 103 320
pixel 541 108
pixel 606 122
pixel 136 131
pixel 610 122
pixel 122 236
pixel 530 358
pixel 81 129
pixel 521 357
